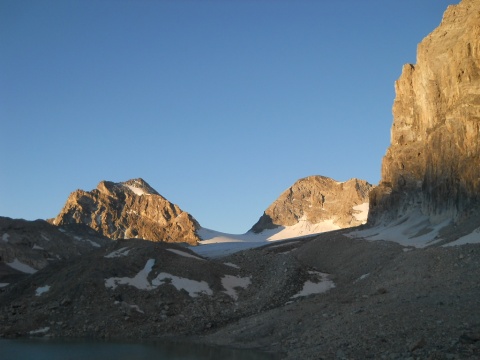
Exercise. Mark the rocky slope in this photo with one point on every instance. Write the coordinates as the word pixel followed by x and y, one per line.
pixel 433 163
pixel 28 246
pixel 317 199
pixel 379 299
pixel 131 209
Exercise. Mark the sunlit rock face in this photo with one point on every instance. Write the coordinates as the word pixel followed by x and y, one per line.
pixel 433 162
pixel 316 200
pixel 131 209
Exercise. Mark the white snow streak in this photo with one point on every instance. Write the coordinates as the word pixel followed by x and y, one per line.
pixel 185 254
pixel 232 265
pixel 310 287
pixel 118 253
pixel 193 287
pixel 136 190
pixel 472 238
pixel 40 331
pixel 230 282
pixel 5 237
pixel 139 281
pixel 93 243
pixel 18 265
pixel 42 290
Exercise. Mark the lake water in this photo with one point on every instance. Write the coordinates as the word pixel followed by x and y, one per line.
pixel 40 349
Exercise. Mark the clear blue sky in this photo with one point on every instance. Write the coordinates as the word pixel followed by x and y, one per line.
pixel 219 105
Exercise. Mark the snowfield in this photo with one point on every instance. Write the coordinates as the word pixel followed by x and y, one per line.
pixel 216 244
pixel 413 229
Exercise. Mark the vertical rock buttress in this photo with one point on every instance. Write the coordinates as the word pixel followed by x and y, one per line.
pixel 433 162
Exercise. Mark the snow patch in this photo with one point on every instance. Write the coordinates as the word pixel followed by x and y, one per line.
pixel 321 285
pixel 232 265
pixel 4 284
pixel 185 254
pixel 472 238
pixel 36 247
pixel 136 190
pixel 193 287
pixel 5 237
pixel 363 277
pixel 44 237
pixel 139 281
pixel 41 290
pixel 18 265
pixel 118 253
pixel 93 243
pixel 412 229
pixel 40 331
pixel 136 308
pixel 361 212
pixel 127 307
pixel 230 282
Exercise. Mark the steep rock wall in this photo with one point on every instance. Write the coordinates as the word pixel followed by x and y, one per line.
pixel 433 162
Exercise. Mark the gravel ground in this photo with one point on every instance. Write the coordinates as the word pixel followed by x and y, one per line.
pixel 389 302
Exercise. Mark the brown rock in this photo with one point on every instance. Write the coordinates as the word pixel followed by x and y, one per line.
pixel 131 209
pixel 316 199
pixel 433 162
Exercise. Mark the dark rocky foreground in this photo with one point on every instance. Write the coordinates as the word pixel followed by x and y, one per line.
pixel 389 302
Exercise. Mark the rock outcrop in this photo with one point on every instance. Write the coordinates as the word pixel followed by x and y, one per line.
pixel 432 166
pixel 317 199
pixel 131 209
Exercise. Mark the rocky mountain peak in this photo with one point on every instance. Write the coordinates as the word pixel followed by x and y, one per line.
pixel 130 209
pixel 137 186
pixel 432 164
pixel 316 199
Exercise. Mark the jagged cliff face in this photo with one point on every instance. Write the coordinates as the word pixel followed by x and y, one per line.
pixel 433 162
pixel 317 199
pixel 130 209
